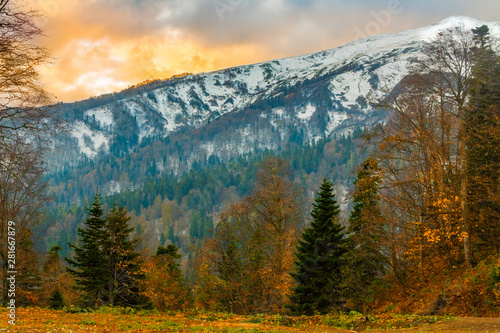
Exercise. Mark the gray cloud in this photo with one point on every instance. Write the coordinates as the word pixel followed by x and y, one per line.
pixel 299 26
pixel 279 26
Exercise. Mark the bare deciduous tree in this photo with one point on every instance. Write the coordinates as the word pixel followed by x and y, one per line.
pixel 421 153
pixel 448 64
pixel 22 195
pixel 22 96
pixel 25 126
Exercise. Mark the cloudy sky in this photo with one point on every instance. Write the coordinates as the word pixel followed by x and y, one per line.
pixel 102 46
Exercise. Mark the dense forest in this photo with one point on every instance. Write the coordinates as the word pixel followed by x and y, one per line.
pixel 182 209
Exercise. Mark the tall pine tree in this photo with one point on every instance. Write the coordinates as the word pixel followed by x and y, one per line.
pixel 124 285
pixel 482 121
pixel 365 259
pixel 318 268
pixel 90 261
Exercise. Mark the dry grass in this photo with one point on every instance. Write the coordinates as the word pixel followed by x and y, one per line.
pixel 43 320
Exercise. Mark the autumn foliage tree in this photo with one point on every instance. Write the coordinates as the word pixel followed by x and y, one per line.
pixel 365 259
pixel 277 207
pixel 445 73
pixel 164 284
pixel 22 196
pixel 438 158
pixel 55 279
pixel 421 153
pixel 245 267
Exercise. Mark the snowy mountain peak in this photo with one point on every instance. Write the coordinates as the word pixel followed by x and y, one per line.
pixel 465 22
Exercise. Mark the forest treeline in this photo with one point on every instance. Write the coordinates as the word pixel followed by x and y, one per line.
pixel 182 209
pixel 422 234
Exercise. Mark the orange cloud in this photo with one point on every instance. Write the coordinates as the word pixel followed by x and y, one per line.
pixel 102 46
pixel 89 67
pixel 90 58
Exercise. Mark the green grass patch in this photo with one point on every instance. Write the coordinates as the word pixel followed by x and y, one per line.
pixel 209 315
pixel 88 322
pixel 356 320
pixel 230 330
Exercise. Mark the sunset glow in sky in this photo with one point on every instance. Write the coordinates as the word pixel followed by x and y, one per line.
pixel 101 46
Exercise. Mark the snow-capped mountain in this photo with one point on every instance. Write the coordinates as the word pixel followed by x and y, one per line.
pixel 238 110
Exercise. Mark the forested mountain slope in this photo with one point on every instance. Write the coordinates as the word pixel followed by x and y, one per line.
pixel 175 151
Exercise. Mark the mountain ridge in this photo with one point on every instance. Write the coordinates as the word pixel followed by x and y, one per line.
pixel 243 109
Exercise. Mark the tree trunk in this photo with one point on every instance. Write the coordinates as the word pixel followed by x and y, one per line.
pixel 465 223
pixel 463 191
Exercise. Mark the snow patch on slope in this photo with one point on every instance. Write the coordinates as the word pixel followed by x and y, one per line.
pixel 89 142
pixel 336 119
pixel 102 115
pixel 307 112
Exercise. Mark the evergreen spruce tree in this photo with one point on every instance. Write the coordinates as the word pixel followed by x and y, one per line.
pixel 481 36
pixel 90 260
pixel 230 265
pixel 124 285
pixel 229 269
pixel 56 300
pixel 319 263
pixel 364 259
pixel 163 239
pixel 482 122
